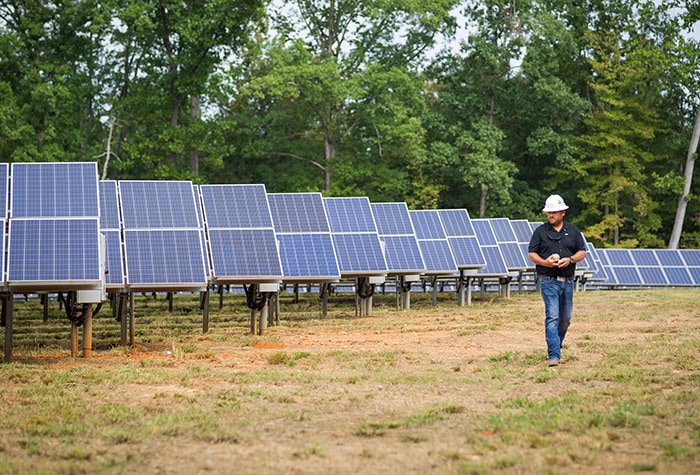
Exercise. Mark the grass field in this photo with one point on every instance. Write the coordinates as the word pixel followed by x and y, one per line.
pixel 434 389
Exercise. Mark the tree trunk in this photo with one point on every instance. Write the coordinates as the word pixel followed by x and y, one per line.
pixel 330 155
pixel 194 153
pixel 683 199
pixel 482 201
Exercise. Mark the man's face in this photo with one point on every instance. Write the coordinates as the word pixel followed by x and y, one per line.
pixel 555 217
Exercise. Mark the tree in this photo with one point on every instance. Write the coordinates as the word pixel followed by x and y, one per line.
pixel 344 71
pixel 685 196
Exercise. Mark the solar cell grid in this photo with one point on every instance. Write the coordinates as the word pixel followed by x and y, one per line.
pixel 158 204
pixel 644 257
pixel 403 255
pixel 456 222
pixel 467 252
pixel 109 205
pixel 4 178
pixel 298 212
pixel 619 257
pixel 652 276
pixel 114 267
pixel 669 257
pixel 503 230
pixel 54 250
pixel 350 215
pixel 495 265
pixel 691 257
pixel 236 206
pixel 523 230
pixel 625 275
pixel 678 276
pixel 359 253
pixel 484 232
pixel 54 190
pixel 392 219
pixel 427 224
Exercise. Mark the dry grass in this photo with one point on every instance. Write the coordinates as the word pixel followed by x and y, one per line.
pixel 442 389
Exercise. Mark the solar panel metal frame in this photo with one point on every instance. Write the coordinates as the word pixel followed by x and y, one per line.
pixel 239 216
pixel 301 226
pixel 434 246
pixel 352 223
pixel 402 253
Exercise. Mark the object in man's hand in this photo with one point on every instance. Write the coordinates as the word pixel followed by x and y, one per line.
pixel 553 258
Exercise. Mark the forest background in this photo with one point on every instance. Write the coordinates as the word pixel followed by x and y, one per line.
pixel 488 105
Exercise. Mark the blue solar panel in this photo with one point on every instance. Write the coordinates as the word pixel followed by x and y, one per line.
pixel 691 257
pixel 669 257
pixel 355 237
pixel 54 250
pixel 619 257
pixel 503 230
pixel 427 224
pixel 495 265
pixel 4 177
pixel 158 204
pixel 298 213
pixel 652 276
pixel 114 265
pixel 359 253
pixel 109 205
pixel 54 190
pixel 432 240
pixel 522 229
pixel 484 232
pixel 644 257
pixel 401 249
pixel 308 256
pixel 403 255
pixel 241 234
pixel 392 219
pixel 347 215
pixel 678 276
pixel 467 252
pixel 306 248
pixel 625 275
pixel 695 274
pixel 164 258
pixel 245 253
pixel 495 262
pixel 513 255
pixel 236 206
pixel 457 222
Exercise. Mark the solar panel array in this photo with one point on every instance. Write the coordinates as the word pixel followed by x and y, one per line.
pixel 162 241
pixel 305 244
pixel 495 263
pixel 355 238
pixel 433 243
pixel 462 239
pixel 162 235
pixel 241 234
pixel 54 239
pixel 401 251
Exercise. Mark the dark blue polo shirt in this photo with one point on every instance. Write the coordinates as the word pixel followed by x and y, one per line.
pixel 545 241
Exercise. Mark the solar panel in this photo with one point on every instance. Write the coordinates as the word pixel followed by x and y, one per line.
pixel 53 238
pixel 305 244
pixel 54 251
pixel 644 257
pixel 110 227
pixel 355 236
pixel 4 178
pixel 63 189
pixel 619 257
pixel 626 275
pixel 691 257
pixel 162 235
pixel 165 258
pixel 432 241
pixel 462 238
pixel 523 230
pixel 401 251
pixel 652 276
pixel 158 204
pixel 674 267
pixel 495 263
pixel 241 234
pixel 695 274
pixel 512 251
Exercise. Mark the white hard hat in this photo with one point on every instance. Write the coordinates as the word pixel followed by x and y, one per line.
pixel 554 203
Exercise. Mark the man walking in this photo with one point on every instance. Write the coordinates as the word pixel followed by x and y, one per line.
pixel 555 248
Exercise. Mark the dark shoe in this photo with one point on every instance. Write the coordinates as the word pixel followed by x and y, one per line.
pixel 553 362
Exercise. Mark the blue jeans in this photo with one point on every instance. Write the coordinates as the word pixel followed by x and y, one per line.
pixel 558 299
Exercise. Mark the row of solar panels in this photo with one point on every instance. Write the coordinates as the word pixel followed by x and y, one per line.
pixel 174 235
